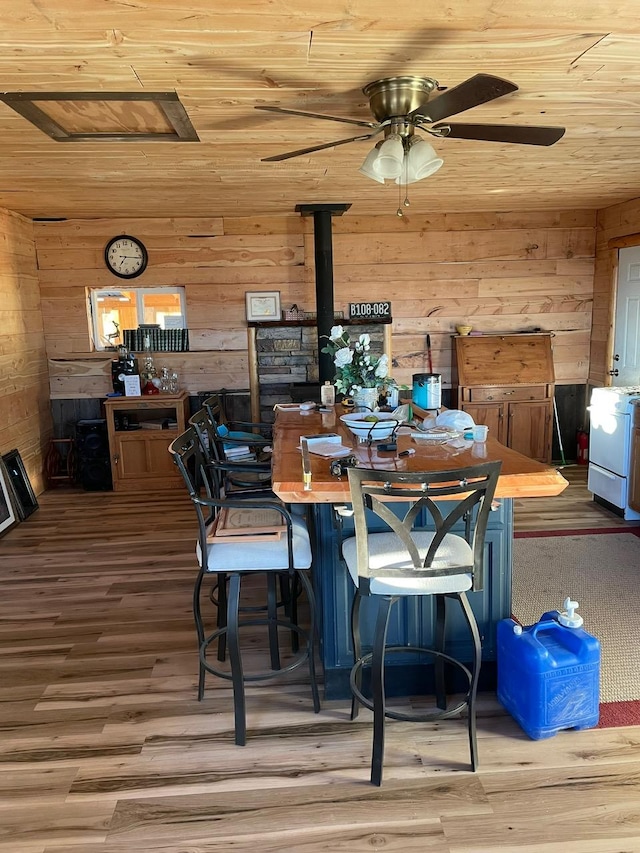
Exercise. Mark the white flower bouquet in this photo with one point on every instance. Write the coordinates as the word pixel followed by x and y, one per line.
pixel 356 367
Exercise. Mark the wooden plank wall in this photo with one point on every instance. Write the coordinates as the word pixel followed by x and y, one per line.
pixel 498 272
pixel 502 272
pixel 25 421
pixel 615 222
pixel 216 262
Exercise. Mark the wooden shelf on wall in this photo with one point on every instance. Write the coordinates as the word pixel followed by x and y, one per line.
pixel 271 324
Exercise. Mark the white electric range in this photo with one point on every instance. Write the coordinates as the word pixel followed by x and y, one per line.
pixel 610 447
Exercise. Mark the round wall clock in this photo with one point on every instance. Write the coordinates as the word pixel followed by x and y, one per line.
pixel 125 256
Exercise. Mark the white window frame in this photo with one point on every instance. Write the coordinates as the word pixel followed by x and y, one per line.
pixel 139 292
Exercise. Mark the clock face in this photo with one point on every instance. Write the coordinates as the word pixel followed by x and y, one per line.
pixel 125 256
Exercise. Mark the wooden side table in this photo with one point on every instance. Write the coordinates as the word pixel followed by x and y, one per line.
pixel 140 430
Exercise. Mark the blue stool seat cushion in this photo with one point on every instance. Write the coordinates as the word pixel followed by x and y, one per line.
pixel 223 432
pixel 387 551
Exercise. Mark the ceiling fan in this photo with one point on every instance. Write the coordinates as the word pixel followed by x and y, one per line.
pixel 402 104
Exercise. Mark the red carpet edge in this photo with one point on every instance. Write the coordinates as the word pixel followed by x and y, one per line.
pixel 586 531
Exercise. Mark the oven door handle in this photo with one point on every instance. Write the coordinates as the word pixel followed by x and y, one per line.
pixel 606 473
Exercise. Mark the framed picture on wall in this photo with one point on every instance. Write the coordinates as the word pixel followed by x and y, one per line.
pixel 263 305
pixel 24 497
pixel 7 513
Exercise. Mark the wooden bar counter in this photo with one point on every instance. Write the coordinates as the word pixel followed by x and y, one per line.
pixel 520 477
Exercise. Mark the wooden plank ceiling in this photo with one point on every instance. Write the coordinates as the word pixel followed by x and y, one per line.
pixel 575 61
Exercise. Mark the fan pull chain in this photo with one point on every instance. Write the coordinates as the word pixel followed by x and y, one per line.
pixel 401 203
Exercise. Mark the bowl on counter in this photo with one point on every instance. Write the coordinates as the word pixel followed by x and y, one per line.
pixel 369 430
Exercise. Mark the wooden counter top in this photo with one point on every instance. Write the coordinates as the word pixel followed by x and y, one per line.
pixel 520 477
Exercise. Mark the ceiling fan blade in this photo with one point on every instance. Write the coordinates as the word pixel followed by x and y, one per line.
pixel 519 134
pixel 317 115
pixel 300 151
pixel 476 90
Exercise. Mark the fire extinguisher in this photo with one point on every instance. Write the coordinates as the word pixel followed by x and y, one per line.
pixel 582 455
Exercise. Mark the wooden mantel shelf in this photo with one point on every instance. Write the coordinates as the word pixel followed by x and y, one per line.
pixel 273 324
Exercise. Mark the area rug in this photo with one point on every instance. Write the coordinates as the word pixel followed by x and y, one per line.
pixel 601 570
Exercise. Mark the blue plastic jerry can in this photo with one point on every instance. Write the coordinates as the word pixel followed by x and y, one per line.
pixel 549 673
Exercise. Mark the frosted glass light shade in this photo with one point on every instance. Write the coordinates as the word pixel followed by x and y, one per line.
pixel 367 166
pixel 404 178
pixel 422 161
pixel 388 163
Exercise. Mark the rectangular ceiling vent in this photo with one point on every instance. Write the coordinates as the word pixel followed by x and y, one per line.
pixel 105 116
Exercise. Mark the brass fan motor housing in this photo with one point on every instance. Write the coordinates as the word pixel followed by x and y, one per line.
pixel 398 96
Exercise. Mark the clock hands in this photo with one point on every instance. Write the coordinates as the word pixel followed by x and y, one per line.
pixel 131 257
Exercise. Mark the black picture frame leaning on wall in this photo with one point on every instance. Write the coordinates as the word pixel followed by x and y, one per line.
pixel 7 512
pixel 24 497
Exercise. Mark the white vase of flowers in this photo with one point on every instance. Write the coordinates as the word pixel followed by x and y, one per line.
pixel 359 373
pixel 366 399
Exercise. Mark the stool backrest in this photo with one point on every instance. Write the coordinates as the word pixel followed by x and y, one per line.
pixel 210 441
pixel 437 501
pixel 210 420
pixel 202 487
pixel 215 409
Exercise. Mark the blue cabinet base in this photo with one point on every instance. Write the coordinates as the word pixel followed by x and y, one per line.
pixel 412 618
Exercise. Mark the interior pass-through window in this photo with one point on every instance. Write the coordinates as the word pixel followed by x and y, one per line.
pixel 116 309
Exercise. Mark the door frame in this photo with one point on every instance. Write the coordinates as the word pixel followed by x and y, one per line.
pixel 629 242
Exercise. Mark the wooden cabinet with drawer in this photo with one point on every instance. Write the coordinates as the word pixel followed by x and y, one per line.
pixel 507 382
pixel 140 431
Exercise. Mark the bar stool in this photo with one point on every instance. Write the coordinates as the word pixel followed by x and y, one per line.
pixel 250 555
pixel 418 554
pixel 240 480
pixel 247 431
pixel 238 477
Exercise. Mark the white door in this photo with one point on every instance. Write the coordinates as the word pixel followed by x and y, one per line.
pixel 626 340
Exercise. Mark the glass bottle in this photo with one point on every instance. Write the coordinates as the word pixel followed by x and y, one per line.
pixel 148 367
pixel 328 394
pixel 165 380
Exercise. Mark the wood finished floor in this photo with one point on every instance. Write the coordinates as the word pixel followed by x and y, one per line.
pixel 104 748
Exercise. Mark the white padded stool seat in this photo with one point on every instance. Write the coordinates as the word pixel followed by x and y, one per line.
pixel 227 562
pixel 387 551
pixel 434 506
pixel 260 556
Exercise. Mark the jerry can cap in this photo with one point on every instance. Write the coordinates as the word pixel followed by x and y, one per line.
pixel 568 617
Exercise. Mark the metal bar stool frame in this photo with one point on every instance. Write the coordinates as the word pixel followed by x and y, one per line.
pixel 241 480
pixel 188 458
pixel 420 562
pixel 240 477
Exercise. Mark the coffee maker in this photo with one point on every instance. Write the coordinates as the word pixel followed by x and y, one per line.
pixel 125 365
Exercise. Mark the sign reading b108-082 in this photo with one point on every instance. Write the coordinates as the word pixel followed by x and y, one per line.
pixel 369 311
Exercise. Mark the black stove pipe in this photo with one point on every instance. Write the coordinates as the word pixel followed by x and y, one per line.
pixel 323 253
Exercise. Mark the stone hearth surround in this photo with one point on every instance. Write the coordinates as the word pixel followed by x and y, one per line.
pixel 288 362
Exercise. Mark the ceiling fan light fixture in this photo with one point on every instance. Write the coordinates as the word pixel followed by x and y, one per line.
pixel 404 177
pixel 388 163
pixel 367 166
pixel 422 160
